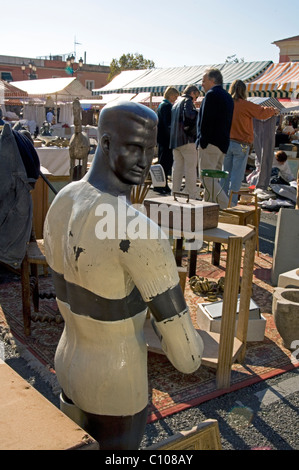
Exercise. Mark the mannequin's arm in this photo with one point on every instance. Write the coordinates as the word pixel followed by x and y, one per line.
pixel 172 323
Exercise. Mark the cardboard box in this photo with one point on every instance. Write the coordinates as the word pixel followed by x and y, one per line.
pixel 180 209
pixel 212 322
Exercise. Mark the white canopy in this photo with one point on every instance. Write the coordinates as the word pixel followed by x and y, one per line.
pixel 60 89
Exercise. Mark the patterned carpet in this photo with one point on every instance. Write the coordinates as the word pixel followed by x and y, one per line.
pixel 169 390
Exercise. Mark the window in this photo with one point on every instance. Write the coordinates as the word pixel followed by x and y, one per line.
pixel 7 76
pixel 89 84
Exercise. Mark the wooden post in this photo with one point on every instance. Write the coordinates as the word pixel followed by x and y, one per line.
pixel 228 319
pixel 246 289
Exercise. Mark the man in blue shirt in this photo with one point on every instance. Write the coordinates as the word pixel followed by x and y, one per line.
pixel 213 128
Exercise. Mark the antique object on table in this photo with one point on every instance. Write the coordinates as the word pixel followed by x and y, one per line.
pixel 46 129
pixel 181 203
pixel 79 145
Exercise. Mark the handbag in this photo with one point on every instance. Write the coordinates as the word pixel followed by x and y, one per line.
pixel 189 125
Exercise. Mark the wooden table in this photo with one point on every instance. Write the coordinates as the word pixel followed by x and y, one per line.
pixel 222 350
pixel 30 422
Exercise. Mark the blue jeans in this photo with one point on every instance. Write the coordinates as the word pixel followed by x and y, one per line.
pixel 235 162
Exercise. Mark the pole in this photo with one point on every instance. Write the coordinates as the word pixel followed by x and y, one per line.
pixel 48 183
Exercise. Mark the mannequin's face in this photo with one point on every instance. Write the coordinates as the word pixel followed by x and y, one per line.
pixel 131 150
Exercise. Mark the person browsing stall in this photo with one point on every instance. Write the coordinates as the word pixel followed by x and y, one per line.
pixel 165 155
pixel 182 140
pixel 213 128
pixel 241 136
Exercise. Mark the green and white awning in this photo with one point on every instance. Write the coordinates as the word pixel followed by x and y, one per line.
pixel 157 80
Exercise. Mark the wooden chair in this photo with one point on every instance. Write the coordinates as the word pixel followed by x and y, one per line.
pixel 34 258
pixel 247 210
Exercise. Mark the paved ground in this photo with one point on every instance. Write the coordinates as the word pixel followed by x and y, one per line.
pixel 262 416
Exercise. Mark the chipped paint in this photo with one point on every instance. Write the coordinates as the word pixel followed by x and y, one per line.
pixel 77 252
pixel 124 245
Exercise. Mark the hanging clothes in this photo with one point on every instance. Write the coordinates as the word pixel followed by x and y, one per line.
pixel 16 207
pixel 264 144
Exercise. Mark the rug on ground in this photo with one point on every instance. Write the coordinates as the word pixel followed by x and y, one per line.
pixel 169 390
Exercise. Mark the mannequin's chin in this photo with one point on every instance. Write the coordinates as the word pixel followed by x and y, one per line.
pixel 133 179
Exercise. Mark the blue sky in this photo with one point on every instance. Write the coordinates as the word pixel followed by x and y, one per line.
pixel 169 32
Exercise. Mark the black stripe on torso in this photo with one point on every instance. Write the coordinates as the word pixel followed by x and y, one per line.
pixel 86 303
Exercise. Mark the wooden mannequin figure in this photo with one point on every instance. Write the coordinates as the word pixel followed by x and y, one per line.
pixel 79 145
pixel 105 279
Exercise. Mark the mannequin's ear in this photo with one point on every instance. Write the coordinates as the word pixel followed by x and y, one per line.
pixel 105 143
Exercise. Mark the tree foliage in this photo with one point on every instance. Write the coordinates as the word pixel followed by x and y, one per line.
pixel 129 62
pixel 233 59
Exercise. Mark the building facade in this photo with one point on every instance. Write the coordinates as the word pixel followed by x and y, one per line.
pixel 288 49
pixel 23 68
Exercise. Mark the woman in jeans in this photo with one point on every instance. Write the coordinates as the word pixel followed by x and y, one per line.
pixel 241 136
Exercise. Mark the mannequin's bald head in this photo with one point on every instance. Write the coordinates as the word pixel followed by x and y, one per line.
pixel 113 116
pixel 127 141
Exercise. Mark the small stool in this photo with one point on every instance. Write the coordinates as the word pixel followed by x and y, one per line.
pixel 215 175
pixel 247 210
pixel 289 279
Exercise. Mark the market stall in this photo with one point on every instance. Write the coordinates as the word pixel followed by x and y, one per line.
pixel 58 93
pixel 10 98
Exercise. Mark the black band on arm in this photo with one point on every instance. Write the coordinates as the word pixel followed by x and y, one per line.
pixel 168 304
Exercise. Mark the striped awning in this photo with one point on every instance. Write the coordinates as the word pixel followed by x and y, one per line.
pixel 7 90
pixel 290 80
pixel 267 101
pixel 157 80
pixel 269 80
pixel 119 82
pixel 279 81
pixel 245 71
